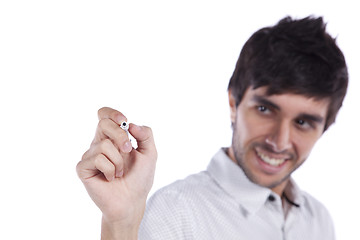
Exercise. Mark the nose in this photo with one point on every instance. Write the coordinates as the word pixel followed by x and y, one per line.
pixel 280 138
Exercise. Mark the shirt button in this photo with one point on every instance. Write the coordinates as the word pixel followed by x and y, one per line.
pixel 271 198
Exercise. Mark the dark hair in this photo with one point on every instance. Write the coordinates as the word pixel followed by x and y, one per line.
pixel 294 56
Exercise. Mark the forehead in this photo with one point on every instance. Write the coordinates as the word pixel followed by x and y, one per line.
pixel 290 102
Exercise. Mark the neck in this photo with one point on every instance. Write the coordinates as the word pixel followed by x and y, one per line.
pixel 279 189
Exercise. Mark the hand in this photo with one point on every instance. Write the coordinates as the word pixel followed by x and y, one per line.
pixel 118 177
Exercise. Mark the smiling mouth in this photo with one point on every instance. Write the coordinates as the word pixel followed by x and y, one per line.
pixel 269 160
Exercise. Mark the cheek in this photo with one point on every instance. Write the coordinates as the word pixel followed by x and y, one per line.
pixel 250 128
pixel 304 145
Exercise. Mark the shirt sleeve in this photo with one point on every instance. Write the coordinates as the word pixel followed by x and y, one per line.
pixel 168 217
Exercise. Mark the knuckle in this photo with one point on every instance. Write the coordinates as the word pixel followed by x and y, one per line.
pixel 104 165
pixel 99 159
pixel 84 156
pixel 148 130
pixel 78 167
pixel 101 162
pixel 101 111
pixel 103 123
pixel 105 145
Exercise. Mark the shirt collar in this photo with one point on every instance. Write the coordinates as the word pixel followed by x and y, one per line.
pixel 233 180
pixel 293 193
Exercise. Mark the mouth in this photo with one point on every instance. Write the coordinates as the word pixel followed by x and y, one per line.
pixel 275 162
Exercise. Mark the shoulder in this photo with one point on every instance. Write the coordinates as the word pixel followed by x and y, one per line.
pixel 317 212
pixel 311 208
pixel 314 206
pixel 193 188
pixel 171 213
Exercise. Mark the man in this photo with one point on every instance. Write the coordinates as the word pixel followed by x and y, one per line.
pixel 287 87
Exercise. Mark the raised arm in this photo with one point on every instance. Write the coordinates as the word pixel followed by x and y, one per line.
pixel 118 177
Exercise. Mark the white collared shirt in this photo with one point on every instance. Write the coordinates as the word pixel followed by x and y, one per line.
pixel 221 203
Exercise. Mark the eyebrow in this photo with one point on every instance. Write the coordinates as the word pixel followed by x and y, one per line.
pixel 313 118
pixel 310 117
pixel 262 100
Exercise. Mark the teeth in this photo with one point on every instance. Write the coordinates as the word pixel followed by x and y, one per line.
pixel 271 161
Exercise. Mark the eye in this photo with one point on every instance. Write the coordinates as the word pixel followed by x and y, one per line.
pixel 303 124
pixel 262 108
pixel 300 122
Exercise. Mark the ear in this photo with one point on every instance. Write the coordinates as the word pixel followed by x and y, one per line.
pixel 232 105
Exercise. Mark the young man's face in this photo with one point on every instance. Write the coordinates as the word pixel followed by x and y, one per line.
pixel 274 134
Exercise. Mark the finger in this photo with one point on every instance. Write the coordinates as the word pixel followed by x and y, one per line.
pixel 144 138
pixel 91 166
pixel 107 148
pixel 112 114
pixel 103 164
pixel 108 129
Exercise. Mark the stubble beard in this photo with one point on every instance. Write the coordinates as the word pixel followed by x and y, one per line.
pixel 239 154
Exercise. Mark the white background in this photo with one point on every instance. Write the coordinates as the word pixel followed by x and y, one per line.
pixel 165 64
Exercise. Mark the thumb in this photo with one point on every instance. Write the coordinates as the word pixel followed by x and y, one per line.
pixel 144 138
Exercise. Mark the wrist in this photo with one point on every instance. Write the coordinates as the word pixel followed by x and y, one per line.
pixel 125 228
pixel 119 230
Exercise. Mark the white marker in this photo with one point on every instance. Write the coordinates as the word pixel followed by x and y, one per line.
pixel 125 126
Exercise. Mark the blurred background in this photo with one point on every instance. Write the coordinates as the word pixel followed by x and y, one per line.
pixel 165 64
